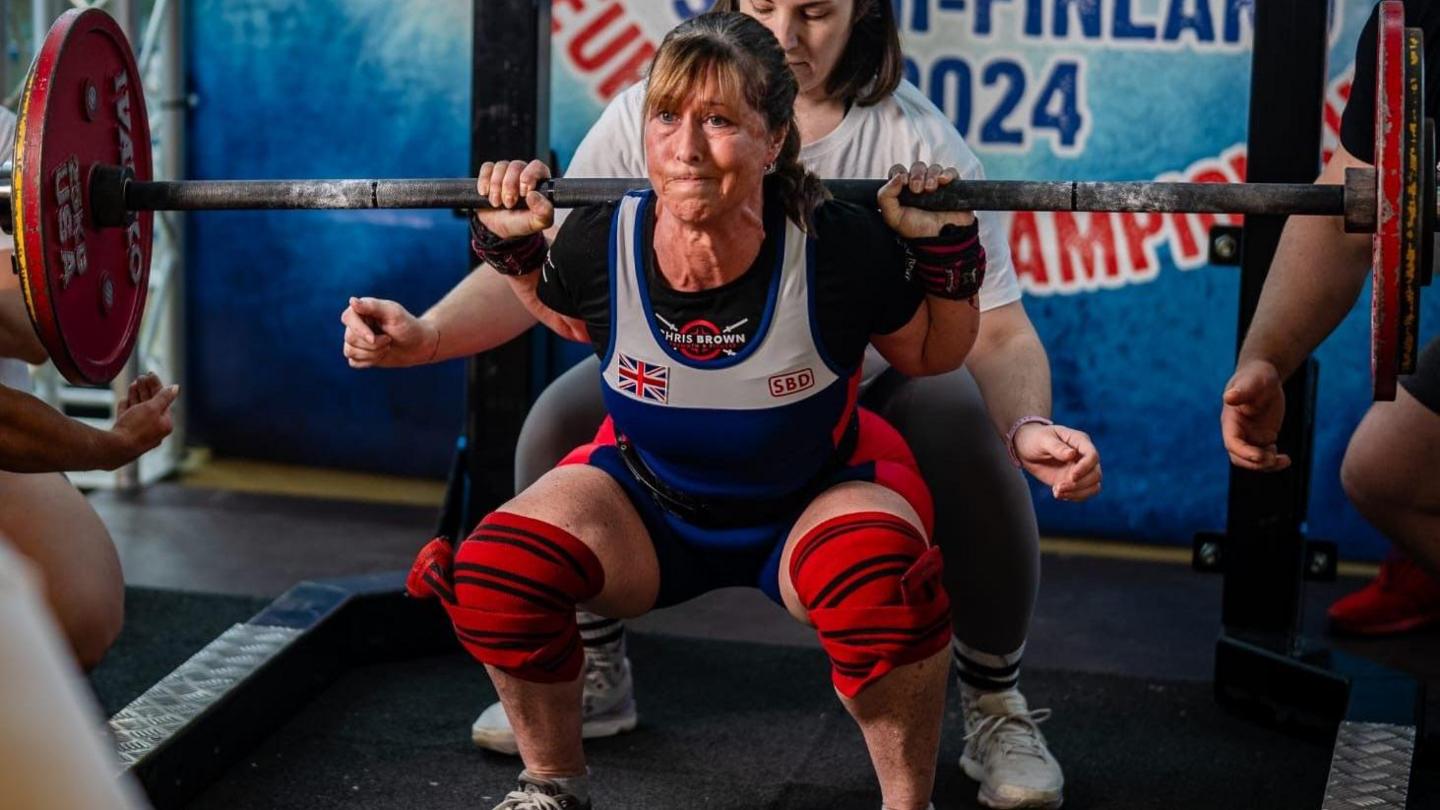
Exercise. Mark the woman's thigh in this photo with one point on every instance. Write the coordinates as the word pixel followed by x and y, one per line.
pixel 589 504
pixel 50 522
pixel 1393 459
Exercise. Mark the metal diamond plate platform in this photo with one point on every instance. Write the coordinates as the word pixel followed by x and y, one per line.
pixel 1371 767
pixel 182 695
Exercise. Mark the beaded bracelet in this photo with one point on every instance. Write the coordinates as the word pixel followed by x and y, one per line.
pixel 1015 428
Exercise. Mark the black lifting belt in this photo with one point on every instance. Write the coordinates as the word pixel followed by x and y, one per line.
pixel 730 513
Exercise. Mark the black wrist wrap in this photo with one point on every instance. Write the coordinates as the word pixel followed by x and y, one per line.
pixel 510 257
pixel 951 265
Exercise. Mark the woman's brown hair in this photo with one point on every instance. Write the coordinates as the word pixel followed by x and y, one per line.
pixel 872 64
pixel 743 60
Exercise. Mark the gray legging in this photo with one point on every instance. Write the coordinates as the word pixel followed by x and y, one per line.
pixel 984 519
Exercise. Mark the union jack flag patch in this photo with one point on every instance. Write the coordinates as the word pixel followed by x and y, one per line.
pixel 642 380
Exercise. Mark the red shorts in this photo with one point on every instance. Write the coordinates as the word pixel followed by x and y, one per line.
pixel 695 559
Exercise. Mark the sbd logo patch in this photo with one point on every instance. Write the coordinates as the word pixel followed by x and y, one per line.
pixel 783 385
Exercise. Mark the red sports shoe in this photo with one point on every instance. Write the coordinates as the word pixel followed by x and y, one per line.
pixel 1403 597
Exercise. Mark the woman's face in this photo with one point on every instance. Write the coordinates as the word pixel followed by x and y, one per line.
pixel 812 32
pixel 707 155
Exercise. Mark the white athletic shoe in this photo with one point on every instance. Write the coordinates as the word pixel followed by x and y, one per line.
pixel 1006 753
pixel 608 709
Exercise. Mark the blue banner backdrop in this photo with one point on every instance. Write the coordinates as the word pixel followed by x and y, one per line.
pixel 311 89
pixel 1140 330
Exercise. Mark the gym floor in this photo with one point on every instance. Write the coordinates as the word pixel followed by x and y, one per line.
pixel 254 529
pixel 1121 650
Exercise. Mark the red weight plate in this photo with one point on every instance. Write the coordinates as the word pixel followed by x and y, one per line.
pixel 1389 165
pixel 85 287
pixel 1427 200
pixel 1407 321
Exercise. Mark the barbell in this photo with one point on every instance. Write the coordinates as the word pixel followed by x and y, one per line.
pixel 81 195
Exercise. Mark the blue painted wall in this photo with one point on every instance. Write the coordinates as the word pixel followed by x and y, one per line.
pixel 322 88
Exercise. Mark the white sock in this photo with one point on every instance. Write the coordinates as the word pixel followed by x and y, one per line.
pixel 604 638
pixel 577 786
pixel 985 672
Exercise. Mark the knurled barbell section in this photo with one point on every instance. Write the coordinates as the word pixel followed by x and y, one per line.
pixel 165 708
pixel 1370 768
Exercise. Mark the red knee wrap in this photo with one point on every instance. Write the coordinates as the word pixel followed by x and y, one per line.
pixel 873 588
pixel 511 592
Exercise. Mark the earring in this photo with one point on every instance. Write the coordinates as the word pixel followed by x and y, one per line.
pixel 770 167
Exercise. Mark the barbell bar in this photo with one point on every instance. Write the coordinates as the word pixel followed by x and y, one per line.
pixel 81 196
pixel 115 193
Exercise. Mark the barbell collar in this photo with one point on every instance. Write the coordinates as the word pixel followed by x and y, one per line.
pixel 1276 199
pixel 1360 200
pixel 108 186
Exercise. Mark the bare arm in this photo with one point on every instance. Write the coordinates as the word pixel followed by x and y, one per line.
pixel 1010 366
pixel 562 325
pixel 1317 272
pixel 508 185
pixel 943 329
pixel 935 340
pixel 1013 374
pixel 477 315
pixel 36 438
pixel 480 313
pixel 509 310
pixel 610 149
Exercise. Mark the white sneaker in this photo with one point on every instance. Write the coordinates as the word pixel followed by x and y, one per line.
pixel 1005 751
pixel 608 709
